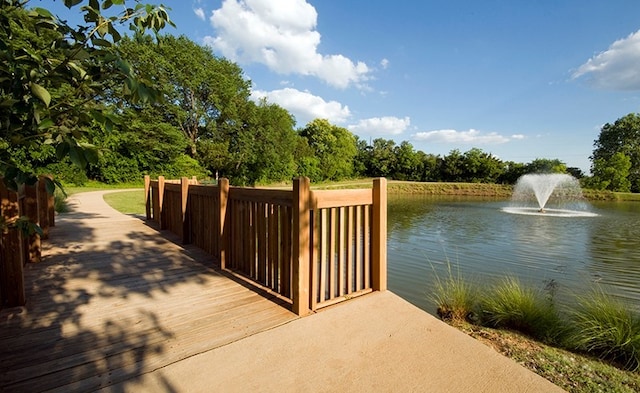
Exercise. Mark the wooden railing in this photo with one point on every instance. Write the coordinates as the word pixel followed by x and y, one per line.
pixel 314 248
pixel 16 247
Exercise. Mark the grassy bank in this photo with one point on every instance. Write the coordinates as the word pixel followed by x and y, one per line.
pixel 593 347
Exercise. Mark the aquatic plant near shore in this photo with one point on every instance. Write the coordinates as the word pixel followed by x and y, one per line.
pixel 509 304
pixel 604 326
pixel 455 298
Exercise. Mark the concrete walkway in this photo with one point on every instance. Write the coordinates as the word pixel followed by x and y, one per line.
pixel 375 343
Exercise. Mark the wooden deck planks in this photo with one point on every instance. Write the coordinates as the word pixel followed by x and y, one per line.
pixel 113 299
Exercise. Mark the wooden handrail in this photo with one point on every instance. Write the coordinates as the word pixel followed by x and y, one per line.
pixel 315 248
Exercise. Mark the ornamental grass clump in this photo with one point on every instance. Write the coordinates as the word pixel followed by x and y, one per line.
pixel 454 298
pixel 509 304
pixel 604 326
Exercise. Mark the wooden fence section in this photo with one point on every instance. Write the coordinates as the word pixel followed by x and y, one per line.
pixel 16 247
pixel 315 248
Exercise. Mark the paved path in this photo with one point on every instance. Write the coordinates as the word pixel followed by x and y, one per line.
pixel 375 343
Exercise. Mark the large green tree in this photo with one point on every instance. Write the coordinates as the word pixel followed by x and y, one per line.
pixel 335 148
pixel 204 96
pixel 481 167
pixel 621 137
pixel 52 74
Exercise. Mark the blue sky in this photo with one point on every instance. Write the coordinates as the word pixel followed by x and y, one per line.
pixel 519 79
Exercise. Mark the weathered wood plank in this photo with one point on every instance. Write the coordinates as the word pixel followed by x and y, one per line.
pixel 112 300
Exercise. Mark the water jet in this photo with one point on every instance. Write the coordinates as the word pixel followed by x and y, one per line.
pixel 558 189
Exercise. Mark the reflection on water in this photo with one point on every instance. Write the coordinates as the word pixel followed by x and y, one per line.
pixel 477 240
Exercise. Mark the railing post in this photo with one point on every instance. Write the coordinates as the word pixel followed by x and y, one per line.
pixel 161 220
pixel 33 250
pixel 379 236
pixel 43 207
pixel 184 196
pixel 301 233
pixel 222 229
pixel 11 252
pixel 147 198
pixel 51 208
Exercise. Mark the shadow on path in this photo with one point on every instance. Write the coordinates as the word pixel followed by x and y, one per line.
pixel 114 299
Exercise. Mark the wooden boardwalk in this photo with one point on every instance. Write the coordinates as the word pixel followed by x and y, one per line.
pixel 113 300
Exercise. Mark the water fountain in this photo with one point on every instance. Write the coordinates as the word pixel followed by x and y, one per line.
pixel 559 190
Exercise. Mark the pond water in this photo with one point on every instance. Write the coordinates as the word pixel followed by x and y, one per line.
pixel 473 238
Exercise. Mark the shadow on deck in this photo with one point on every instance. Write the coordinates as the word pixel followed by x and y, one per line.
pixel 113 300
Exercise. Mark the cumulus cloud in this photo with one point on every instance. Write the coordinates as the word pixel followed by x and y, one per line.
pixel 281 35
pixel 387 125
pixel 199 13
pixel 304 105
pixel 384 63
pixel 616 68
pixel 467 137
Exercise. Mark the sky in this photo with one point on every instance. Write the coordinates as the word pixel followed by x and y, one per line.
pixel 519 79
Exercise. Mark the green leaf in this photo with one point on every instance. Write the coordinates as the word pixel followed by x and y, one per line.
pixel 101 42
pixel 81 72
pixel 49 185
pixel 71 3
pixel 76 155
pixel 41 93
pixel 43 12
pixel 62 150
pixel 90 153
pixel 44 124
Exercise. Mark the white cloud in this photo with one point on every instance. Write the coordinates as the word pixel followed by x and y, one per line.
pixel 304 105
pixel 467 137
pixel 616 68
pixel 281 35
pixel 384 63
pixel 518 136
pixel 387 125
pixel 199 13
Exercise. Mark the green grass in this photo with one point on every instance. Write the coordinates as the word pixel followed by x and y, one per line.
pixel 603 326
pixel 509 304
pixel 127 202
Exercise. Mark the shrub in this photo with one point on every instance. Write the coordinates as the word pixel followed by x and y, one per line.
pixel 604 326
pixel 454 298
pixel 66 172
pixel 509 304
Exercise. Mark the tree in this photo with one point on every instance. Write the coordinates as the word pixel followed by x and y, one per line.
pixel 546 165
pixel 382 158
pixel 481 167
pixel 429 166
pixel 512 172
pixel 621 137
pixel 204 96
pixel 611 174
pixel 407 162
pixel 575 172
pixel 335 148
pixel 51 75
pixel 273 141
pixel 144 146
pixel 452 168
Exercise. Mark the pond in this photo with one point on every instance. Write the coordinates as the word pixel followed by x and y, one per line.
pixel 473 238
